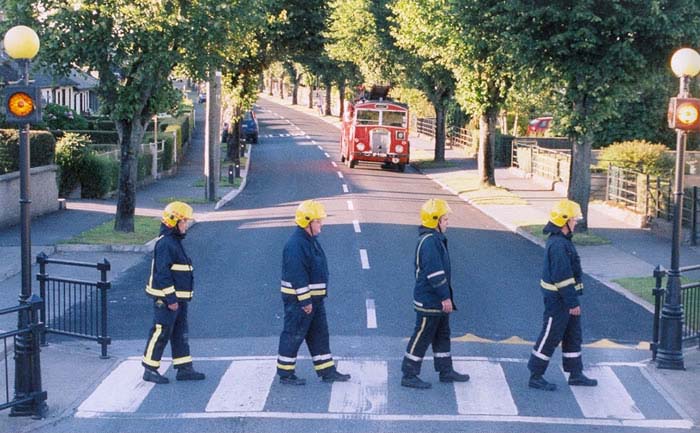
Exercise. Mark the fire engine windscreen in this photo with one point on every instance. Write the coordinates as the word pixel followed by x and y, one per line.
pixel 394 118
pixel 367 117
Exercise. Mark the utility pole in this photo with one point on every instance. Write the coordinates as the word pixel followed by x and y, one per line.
pixel 212 136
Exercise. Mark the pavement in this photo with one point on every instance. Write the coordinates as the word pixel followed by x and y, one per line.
pixel 632 252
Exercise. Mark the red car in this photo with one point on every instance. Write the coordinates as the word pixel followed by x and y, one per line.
pixel 539 126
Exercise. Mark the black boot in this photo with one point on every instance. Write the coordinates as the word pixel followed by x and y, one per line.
pixel 188 373
pixel 538 382
pixel 453 376
pixel 335 376
pixel 292 380
pixel 580 379
pixel 414 381
pixel 153 376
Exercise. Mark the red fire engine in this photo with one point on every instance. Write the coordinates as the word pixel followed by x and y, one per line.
pixel 375 130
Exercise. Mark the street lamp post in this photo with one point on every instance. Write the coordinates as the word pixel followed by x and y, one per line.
pixel 683 116
pixel 22 44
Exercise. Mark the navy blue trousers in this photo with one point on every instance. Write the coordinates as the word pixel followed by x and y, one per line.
pixel 558 327
pixel 429 330
pixel 167 326
pixel 300 327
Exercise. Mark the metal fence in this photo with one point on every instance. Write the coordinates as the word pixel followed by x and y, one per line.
pixel 73 307
pixel 31 334
pixel 551 164
pixel 690 300
pixel 425 126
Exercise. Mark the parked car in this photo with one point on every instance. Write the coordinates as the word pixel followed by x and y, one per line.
pixel 202 98
pixel 539 126
pixel 249 127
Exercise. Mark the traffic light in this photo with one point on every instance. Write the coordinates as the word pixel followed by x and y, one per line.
pixel 684 114
pixel 22 104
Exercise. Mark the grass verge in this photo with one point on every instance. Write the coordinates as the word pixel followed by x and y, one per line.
pixel 582 239
pixel 643 286
pixel 188 200
pixel 222 183
pixel 145 229
pixel 467 183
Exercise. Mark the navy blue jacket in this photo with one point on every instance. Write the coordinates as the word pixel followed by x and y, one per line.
pixel 561 274
pixel 171 277
pixel 433 272
pixel 304 269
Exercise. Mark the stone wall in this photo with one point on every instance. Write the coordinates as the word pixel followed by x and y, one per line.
pixel 43 194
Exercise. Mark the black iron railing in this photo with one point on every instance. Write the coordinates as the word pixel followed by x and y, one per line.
pixel 32 333
pixel 73 307
pixel 690 301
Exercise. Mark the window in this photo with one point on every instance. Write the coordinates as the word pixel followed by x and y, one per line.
pixel 367 117
pixel 394 118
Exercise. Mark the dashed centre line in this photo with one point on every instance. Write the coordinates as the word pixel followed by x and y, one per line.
pixel 371 314
pixel 345 188
pixel 320 147
pixel 340 175
pixel 334 164
pixel 364 259
pixel 356 226
pixel 350 205
pixel 327 155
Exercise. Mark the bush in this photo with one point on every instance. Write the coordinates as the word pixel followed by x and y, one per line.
pixel 59 117
pixel 71 152
pixel 98 176
pixel 649 158
pixel 99 137
pixel 42 145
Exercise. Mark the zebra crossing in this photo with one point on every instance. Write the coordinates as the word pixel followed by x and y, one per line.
pixel 246 387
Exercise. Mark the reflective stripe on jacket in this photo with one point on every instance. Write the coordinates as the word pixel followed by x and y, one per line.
pixel 304 269
pixel 172 277
pixel 561 274
pixel 432 271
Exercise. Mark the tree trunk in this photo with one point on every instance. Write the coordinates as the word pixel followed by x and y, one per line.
pixel 515 126
pixel 327 109
pixel 272 85
pixel 580 176
pixel 130 134
pixel 295 89
pixel 282 86
pixel 439 131
pixel 311 96
pixel 234 138
pixel 341 98
pixel 487 146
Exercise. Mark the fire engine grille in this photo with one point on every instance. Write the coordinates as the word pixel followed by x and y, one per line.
pixel 380 140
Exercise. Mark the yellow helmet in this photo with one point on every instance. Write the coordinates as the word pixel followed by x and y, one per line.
pixel 432 210
pixel 563 211
pixel 175 212
pixel 307 211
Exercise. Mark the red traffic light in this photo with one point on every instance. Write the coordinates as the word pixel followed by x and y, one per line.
pixel 684 114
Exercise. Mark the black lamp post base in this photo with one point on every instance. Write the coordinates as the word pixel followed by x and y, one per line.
pixel 35 409
pixel 669 360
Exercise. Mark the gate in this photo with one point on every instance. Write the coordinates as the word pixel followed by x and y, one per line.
pixel 72 307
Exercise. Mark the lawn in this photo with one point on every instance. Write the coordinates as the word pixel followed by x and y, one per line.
pixel 467 183
pixel 188 200
pixel 643 286
pixel 145 229
pixel 582 239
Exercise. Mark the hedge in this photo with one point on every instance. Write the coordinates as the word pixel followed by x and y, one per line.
pixel 641 155
pixel 42 146
pixel 99 137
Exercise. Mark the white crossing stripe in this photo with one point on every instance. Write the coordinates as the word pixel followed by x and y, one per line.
pixel 365 392
pixel 607 400
pixel 123 390
pixel 486 393
pixel 350 205
pixel 371 314
pixel 364 259
pixel 244 386
pixel 356 226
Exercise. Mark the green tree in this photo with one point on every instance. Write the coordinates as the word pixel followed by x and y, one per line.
pixel 134 46
pixel 592 54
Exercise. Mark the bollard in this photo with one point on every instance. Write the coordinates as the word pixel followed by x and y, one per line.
pixel 238 169
pixel 230 174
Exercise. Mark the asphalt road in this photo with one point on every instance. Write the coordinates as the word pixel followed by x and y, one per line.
pixel 369 238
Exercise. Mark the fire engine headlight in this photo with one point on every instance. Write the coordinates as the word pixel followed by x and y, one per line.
pixel 360 146
pixel 400 135
pixel 398 148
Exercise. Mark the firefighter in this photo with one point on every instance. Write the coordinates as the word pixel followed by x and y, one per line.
pixel 561 286
pixel 171 287
pixel 304 287
pixel 432 300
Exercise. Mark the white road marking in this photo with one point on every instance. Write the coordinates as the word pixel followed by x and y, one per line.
pixel 356 226
pixel 312 141
pixel 244 387
pixel 345 188
pixel 334 164
pixel 319 147
pixel 487 391
pixel 365 392
pixel 327 155
pixel 123 390
pixel 340 175
pixel 371 314
pixel 364 259
pixel 607 400
pixel 350 205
